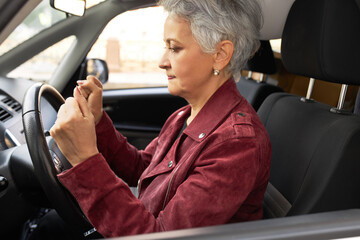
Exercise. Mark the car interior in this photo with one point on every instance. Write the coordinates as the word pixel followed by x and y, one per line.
pixel 314 181
pixel 309 176
pixel 256 90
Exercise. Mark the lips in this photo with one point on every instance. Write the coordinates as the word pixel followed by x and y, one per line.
pixel 170 77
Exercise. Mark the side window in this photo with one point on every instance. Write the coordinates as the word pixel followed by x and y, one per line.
pixel 132 44
pixel 276 46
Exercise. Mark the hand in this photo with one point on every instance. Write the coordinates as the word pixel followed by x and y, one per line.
pixel 91 89
pixel 74 130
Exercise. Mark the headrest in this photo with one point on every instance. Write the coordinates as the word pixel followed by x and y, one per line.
pixel 321 39
pixel 263 60
pixel 274 14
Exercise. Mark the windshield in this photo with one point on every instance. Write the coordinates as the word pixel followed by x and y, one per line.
pixel 42 17
pixel 42 66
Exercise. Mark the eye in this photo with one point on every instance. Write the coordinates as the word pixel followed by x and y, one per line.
pixel 174 49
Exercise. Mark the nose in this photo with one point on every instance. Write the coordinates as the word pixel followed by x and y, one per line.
pixel 164 61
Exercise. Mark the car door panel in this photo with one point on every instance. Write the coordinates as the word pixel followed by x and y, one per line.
pixel 140 113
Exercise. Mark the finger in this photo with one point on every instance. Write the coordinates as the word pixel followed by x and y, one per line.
pixel 83 91
pixel 61 112
pixel 68 108
pixel 72 108
pixel 91 85
pixel 95 81
pixel 82 103
pixel 54 131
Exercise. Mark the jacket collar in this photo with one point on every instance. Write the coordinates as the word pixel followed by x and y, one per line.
pixel 214 111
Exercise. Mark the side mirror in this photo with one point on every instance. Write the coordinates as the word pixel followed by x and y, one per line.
pixel 95 67
pixel 74 7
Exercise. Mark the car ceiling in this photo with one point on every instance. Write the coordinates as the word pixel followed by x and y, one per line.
pixel 12 12
pixel 274 15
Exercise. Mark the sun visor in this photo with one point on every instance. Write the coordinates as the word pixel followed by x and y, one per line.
pixel 275 13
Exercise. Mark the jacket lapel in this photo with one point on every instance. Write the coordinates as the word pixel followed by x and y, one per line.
pixel 166 149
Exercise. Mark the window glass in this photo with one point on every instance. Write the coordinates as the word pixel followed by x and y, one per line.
pixel 43 65
pixel 276 45
pixel 132 44
pixel 42 17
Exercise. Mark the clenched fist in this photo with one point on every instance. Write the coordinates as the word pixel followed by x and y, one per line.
pixel 74 129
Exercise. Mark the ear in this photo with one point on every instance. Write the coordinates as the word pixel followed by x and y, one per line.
pixel 224 52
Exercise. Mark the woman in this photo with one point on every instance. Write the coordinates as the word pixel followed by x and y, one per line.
pixel 210 163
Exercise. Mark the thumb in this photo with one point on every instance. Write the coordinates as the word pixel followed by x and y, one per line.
pixel 82 102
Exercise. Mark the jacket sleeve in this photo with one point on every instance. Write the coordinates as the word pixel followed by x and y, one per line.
pixel 124 159
pixel 213 192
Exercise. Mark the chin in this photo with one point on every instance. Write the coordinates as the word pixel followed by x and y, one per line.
pixel 173 91
pixel 173 88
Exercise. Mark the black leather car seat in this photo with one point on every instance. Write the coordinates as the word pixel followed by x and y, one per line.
pixel 315 147
pixel 263 62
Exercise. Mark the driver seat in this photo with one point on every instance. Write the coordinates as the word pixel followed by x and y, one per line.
pixel 315 148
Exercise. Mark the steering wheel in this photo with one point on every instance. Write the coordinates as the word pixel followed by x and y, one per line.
pixel 47 159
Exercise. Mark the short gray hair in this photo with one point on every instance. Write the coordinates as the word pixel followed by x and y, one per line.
pixel 212 21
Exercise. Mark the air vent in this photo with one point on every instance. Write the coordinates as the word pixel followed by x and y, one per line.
pixel 12 103
pixel 4 115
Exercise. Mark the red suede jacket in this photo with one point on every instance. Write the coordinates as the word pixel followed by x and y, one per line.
pixel 215 172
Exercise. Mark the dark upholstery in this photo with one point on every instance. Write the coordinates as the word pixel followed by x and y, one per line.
pixel 263 61
pixel 316 155
pixel 321 40
pixel 255 92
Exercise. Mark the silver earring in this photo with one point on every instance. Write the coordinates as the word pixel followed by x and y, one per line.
pixel 216 72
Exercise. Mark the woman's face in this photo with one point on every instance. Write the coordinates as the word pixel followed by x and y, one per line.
pixel 188 68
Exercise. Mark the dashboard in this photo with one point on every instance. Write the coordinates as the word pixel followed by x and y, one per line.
pixel 11 131
pixel 12 92
pixel 20 191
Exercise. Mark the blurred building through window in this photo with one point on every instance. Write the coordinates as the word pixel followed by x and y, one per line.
pixel 132 44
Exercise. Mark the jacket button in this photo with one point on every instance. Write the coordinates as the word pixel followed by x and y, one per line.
pixel 171 163
pixel 201 135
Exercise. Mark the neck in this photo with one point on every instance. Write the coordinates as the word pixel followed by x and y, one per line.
pixel 199 102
